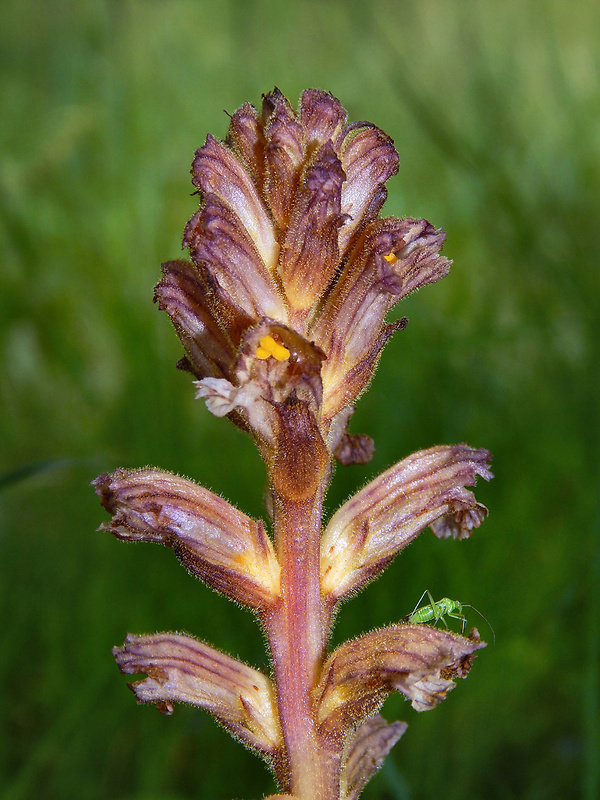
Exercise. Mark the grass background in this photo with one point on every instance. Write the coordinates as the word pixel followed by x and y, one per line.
pixel 495 110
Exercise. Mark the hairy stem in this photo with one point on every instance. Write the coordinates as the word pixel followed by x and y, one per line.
pixel 297 632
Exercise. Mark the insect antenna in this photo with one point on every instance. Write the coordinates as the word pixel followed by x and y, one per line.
pixel 484 618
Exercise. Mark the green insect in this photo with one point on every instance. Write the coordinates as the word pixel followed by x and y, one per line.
pixel 437 610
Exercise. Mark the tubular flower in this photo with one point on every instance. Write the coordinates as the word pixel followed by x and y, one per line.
pixel 282 316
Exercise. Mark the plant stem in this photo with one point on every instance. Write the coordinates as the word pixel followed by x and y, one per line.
pixel 297 633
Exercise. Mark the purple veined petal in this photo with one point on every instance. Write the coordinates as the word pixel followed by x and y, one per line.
pixel 355 309
pixel 284 155
pixel 322 116
pixel 349 448
pixel 246 137
pixel 366 751
pixel 368 531
pixel 195 312
pixel 213 540
pixel 417 660
pixel 344 381
pixel 216 170
pixel 392 258
pixel 355 448
pixel 217 240
pixel 182 669
pixel 309 254
pixel 369 159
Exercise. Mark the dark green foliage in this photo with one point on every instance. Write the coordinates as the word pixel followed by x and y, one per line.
pixel 494 110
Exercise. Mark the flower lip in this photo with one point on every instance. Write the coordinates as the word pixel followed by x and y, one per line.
pixel 419 661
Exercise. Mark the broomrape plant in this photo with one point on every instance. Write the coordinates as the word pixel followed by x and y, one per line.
pixel 281 313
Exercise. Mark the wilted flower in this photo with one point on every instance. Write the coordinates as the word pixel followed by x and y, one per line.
pixel 281 313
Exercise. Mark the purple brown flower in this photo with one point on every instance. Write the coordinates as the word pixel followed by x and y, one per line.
pixel 425 489
pixel 287 244
pixel 212 539
pixel 281 312
pixel 416 660
pixel 365 752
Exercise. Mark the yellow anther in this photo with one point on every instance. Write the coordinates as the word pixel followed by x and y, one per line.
pixel 269 347
pixel 280 352
pixel 391 258
pixel 268 342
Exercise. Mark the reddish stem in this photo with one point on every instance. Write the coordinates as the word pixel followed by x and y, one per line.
pixel 297 630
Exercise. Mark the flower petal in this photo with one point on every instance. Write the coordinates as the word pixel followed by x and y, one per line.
pixel 366 752
pixel 222 397
pixel 246 137
pixel 216 170
pixel 365 534
pixel 181 669
pixel 417 660
pixel 349 448
pixel 392 258
pixel 354 448
pixel 195 312
pixel 212 539
pixel 345 381
pixel 309 254
pixel 263 382
pixel 218 241
pixel 369 159
pixel 322 116
pixel 284 155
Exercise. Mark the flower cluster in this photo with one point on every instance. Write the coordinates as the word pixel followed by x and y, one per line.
pixel 293 271
pixel 282 315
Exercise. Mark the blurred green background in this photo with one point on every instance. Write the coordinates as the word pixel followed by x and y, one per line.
pixel 495 111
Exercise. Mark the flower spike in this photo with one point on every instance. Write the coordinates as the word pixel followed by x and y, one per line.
pixel 281 311
pixel 287 231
